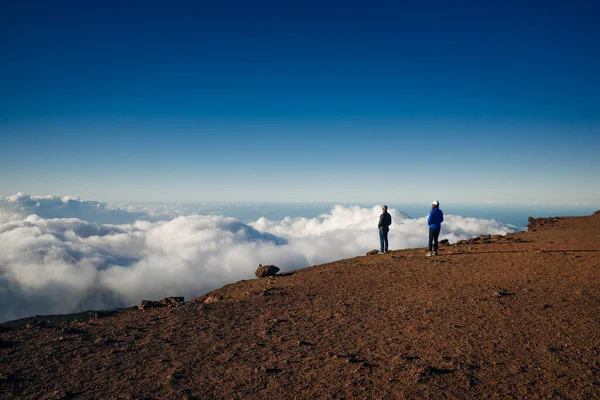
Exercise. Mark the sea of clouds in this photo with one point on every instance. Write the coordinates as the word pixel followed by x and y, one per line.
pixel 64 254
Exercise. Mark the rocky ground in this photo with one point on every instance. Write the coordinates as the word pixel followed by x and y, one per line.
pixel 502 316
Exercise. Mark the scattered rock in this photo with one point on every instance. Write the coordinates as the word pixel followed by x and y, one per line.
pixel 444 242
pixel 476 240
pixel 212 299
pixel 146 304
pixel 535 223
pixel 351 358
pixel 373 252
pixel 266 270
pixel 503 293
pixel 268 370
pixel 174 377
pixel 429 371
pixel 104 314
pixel 172 301
pixel 166 302
pixel 4 329
pixel 36 323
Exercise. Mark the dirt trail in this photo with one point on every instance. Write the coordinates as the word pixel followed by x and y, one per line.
pixel 516 316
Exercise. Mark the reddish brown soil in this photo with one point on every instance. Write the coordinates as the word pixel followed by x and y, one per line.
pixel 514 316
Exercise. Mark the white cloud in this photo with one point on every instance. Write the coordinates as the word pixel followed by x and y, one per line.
pixel 22 205
pixel 52 262
pixel 349 231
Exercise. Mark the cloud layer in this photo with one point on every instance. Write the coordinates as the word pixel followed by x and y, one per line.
pixel 22 205
pixel 61 255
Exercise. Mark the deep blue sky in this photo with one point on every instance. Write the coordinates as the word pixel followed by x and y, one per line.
pixel 465 101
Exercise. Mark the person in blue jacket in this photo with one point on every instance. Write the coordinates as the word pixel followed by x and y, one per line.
pixel 436 216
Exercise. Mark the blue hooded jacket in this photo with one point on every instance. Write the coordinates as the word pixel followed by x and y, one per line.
pixel 436 216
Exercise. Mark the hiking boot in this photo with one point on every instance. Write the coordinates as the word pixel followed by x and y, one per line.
pixel 428 254
pixel 435 253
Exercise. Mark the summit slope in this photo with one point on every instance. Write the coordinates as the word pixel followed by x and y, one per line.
pixel 515 315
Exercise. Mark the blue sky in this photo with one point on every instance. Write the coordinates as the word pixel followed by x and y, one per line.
pixel 463 101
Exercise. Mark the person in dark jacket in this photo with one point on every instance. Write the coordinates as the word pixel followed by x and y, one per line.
pixel 385 220
pixel 436 217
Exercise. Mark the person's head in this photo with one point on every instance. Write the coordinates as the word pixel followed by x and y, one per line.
pixel 435 204
pixel 384 208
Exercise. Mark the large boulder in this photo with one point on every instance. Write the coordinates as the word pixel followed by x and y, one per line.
pixel 266 270
pixel 166 302
pixel 147 304
pixel 172 301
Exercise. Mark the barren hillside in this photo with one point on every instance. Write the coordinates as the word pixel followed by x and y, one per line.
pixel 515 315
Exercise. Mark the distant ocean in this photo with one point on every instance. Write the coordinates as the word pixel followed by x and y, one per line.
pixel 515 215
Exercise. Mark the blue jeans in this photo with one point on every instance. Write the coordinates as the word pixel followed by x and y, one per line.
pixel 383 241
pixel 434 234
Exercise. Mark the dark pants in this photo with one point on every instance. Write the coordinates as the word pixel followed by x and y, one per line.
pixel 434 234
pixel 383 241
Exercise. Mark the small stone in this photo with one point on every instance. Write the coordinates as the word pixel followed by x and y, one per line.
pixel 174 377
pixel 503 293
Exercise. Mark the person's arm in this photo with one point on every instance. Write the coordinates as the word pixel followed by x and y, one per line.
pixel 390 218
pixel 441 216
pixel 380 224
pixel 429 219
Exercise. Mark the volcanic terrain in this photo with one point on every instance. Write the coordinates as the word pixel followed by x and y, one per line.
pixel 496 316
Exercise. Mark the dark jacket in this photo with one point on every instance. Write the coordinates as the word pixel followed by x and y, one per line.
pixel 385 220
pixel 436 216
